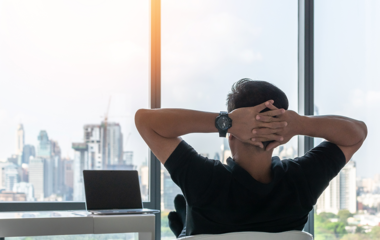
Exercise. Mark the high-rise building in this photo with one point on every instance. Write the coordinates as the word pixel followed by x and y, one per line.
pixel 368 184
pixel 11 176
pixel 20 139
pixel 44 169
pixel 348 187
pixel 44 145
pixel 56 168
pixel 24 173
pixel 93 139
pixel 80 158
pixel 2 171
pixel 27 152
pixel 370 200
pixel 13 159
pixel 329 201
pixel 37 177
pixel 102 148
pixel 68 173
pixel 144 181
pixel 49 174
pixel 128 157
pixel 44 153
pixel 341 192
pixel 112 144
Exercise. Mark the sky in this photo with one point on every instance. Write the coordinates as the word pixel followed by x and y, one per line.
pixel 61 62
pixel 347 73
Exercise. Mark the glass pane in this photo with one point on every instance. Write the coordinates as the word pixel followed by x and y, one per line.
pixel 209 45
pixel 73 75
pixel 347 36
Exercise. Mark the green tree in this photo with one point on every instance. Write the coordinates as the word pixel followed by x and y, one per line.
pixel 356 236
pixel 323 234
pixel 320 226
pixel 359 229
pixel 375 232
pixel 327 215
pixel 337 228
pixel 343 215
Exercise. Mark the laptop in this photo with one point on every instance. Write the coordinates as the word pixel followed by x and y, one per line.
pixel 113 192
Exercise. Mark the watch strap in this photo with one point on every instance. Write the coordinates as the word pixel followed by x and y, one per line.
pixel 222 133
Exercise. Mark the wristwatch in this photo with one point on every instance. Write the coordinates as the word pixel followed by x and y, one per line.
pixel 223 123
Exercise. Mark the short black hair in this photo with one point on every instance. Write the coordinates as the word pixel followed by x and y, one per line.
pixel 248 93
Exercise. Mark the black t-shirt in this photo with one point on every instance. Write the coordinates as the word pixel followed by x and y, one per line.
pixel 226 198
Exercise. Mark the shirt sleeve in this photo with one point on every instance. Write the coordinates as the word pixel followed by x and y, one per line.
pixel 192 172
pixel 320 165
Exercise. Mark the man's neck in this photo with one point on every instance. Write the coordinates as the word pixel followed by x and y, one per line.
pixel 255 161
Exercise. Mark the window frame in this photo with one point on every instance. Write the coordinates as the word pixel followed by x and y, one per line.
pixel 305 106
pixel 306 79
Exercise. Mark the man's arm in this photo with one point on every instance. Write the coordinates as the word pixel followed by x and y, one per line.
pixel 347 133
pixel 161 128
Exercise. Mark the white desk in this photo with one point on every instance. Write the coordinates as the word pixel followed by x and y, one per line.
pixel 20 224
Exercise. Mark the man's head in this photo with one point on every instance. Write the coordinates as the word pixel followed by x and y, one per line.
pixel 248 93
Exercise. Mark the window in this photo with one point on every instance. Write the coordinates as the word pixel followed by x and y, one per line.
pixel 347 83
pixel 206 47
pixel 71 71
pixel 73 75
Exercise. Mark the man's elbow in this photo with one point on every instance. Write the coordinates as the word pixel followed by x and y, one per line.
pixel 141 118
pixel 364 130
pixel 363 136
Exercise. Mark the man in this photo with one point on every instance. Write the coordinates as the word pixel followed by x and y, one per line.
pixel 254 191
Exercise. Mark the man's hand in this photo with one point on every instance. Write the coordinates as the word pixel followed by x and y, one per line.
pixel 294 123
pixel 347 133
pixel 249 129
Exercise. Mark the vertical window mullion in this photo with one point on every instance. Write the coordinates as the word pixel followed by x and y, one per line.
pixel 155 102
pixel 306 78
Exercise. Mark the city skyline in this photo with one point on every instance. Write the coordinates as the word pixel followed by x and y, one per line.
pixel 39 173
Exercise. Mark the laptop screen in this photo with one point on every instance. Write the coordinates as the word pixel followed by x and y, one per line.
pixel 109 189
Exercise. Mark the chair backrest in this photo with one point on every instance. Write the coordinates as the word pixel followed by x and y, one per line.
pixel 288 235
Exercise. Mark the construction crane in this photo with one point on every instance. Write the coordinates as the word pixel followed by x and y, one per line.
pixel 106 147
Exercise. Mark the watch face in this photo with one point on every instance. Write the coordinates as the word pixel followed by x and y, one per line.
pixel 223 123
